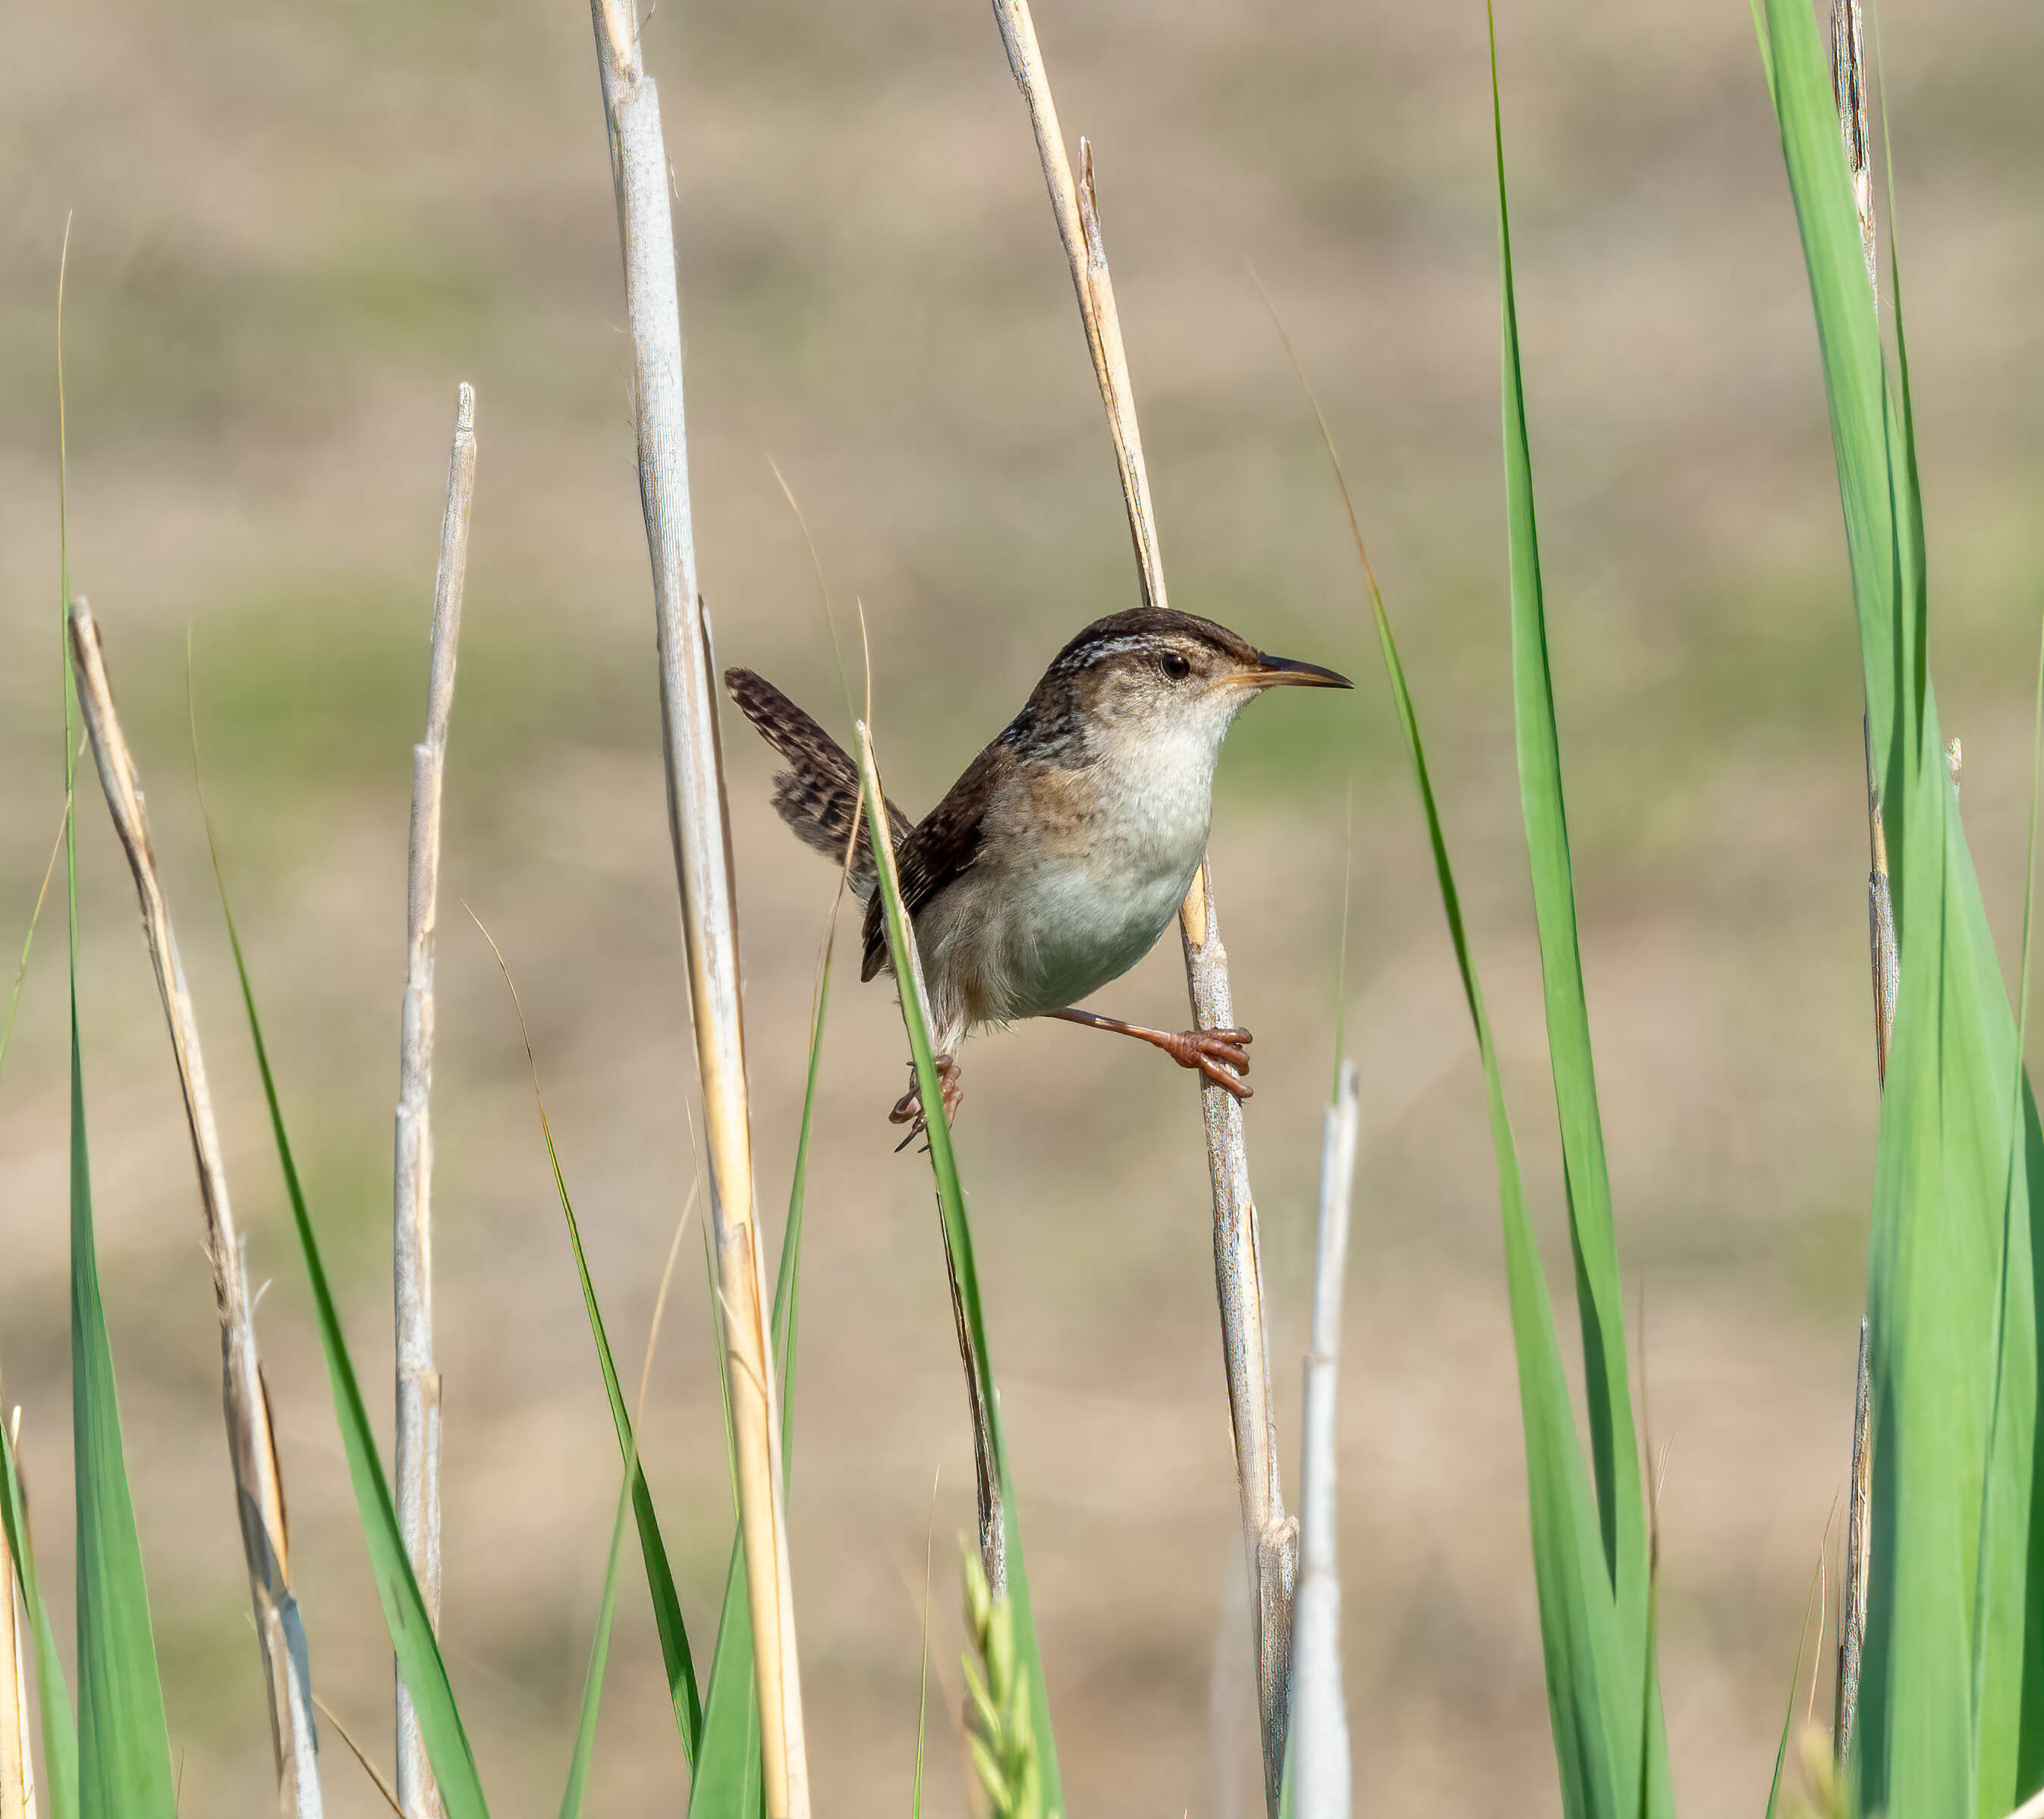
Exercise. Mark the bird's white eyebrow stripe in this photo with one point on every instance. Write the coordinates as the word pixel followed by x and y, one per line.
pixel 1088 654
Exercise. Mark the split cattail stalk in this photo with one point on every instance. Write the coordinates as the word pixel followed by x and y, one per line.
pixel 412 1220
pixel 251 1445
pixel 1319 1712
pixel 699 821
pixel 1849 91
pixel 1270 1537
pixel 17 1772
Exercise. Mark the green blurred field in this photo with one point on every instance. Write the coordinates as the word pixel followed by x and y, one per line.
pixel 295 231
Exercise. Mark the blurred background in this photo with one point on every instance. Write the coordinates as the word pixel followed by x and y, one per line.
pixel 296 229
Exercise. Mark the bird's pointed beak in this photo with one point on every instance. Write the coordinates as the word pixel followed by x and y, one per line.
pixel 1289 672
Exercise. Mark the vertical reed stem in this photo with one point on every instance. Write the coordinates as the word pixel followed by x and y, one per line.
pixel 1320 1729
pixel 251 1446
pixel 412 1222
pixel 1848 90
pixel 1270 1536
pixel 698 819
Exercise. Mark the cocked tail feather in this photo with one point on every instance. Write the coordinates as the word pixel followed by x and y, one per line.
pixel 817 795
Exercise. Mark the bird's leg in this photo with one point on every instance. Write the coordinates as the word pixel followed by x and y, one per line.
pixel 909 1108
pixel 1221 1055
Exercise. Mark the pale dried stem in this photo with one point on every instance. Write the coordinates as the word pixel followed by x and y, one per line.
pixel 1319 1725
pixel 17 1772
pixel 699 822
pixel 1849 91
pixel 1271 1538
pixel 251 1444
pixel 1852 1601
pixel 412 1222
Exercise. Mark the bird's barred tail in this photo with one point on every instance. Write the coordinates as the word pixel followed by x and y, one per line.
pixel 817 795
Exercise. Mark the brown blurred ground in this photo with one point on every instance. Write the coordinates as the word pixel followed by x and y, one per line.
pixel 297 227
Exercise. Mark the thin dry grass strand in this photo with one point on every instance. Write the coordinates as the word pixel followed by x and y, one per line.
pixel 1859 1541
pixel 251 1443
pixel 699 821
pixel 1848 89
pixel 35 916
pixel 823 591
pixel 1320 1713
pixel 418 1386
pixel 361 1756
pixel 923 1668
pixel 1270 1537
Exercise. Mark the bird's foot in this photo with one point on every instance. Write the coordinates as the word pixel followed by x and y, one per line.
pixel 1221 1055
pixel 908 1109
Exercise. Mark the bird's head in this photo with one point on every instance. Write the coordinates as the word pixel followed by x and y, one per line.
pixel 1153 673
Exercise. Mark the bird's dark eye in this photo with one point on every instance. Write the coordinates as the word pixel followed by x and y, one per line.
pixel 1176 667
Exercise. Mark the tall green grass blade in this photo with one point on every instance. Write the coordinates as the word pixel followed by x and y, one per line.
pixel 727 1784
pixel 1953 1285
pixel 1578 1616
pixel 675 1654
pixel 54 1719
pixel 60 1754
pixel 599 1647
pixel 28 939
pixel 786 1295
pixel 123 1748
pixel 2000 1724
pixel 1592 1233
pixel 674 1651
pixel 957 1234
pixel 727 1778
pixel 1788 1708
pixel 1914 1730
pixel 1578 1613
pixel 404 1616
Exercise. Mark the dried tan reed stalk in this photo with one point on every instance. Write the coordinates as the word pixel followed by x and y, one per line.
pixel 1848 90
pixel 251 1444
pixel 1320 1781
pixel 698 818
pixel 17 1766
pixel 1270 1536
pixel 412 1220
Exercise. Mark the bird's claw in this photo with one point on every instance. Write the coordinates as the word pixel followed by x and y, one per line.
pixel 1221 1055
pixel 908 1109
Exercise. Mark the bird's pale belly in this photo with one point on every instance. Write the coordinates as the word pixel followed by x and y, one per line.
pixel 1038 937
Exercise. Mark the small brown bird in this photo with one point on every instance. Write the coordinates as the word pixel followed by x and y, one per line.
pixel 1061 855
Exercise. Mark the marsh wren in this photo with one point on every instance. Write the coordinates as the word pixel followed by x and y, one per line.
pixel 1057 861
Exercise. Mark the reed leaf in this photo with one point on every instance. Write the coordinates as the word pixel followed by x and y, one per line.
pixel 599 1647
pixel 957 1234
pixel 675 1653
pixel 1592 1233
pixel 404 1616
pixel 1951 1709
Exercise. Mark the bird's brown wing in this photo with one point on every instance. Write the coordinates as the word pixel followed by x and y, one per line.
pixel 817 795
pixel 945 842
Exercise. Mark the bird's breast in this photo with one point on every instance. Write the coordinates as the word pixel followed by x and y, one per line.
pixel 1081 871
